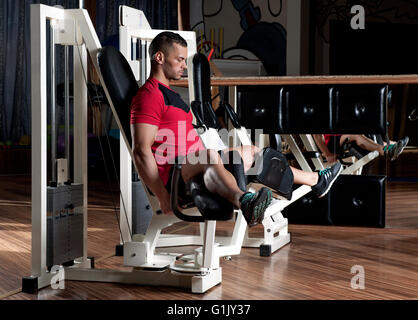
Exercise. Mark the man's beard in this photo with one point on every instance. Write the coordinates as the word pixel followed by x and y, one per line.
pixel 175 77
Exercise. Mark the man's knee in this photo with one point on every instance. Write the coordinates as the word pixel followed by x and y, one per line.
pixel 213 157
pixel 246 153
pixel 347 138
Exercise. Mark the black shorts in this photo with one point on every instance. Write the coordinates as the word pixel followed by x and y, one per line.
pixel 333 144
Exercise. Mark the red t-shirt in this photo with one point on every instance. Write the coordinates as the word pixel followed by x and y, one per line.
pixel 156 104
pixel 327 137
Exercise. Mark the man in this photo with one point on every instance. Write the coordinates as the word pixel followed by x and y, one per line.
pixel 162 131
pixel 331 145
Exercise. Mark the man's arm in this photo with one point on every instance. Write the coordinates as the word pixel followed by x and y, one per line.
pixel 320 142
pixel 143 138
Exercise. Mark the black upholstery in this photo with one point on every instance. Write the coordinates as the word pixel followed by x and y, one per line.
pixel 197 111
pixel 309 210
pixel 299 109
pixel 226 112
pixel 354 200
pixel 358 200
pixel 233 163
pixel 305 109
pixel 258 107
pixel 359 109
pixel 285 109
pixel 211 206
pixel 201 81
pixel 120 83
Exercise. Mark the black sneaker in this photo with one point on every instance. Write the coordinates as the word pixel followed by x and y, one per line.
pixel 394 150
pixel 253 205
pixel 326 178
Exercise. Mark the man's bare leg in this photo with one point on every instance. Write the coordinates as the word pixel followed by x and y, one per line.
pixel 216 178
pixel 304 177
pixel 247 154
pixel 393 150
pixel 363 142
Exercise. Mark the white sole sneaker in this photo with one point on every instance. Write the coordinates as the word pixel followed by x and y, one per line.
pixel 331 183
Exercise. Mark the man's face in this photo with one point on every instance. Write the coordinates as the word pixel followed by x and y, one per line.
pixel 174 62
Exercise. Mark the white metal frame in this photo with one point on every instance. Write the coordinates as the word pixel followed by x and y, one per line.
pixel 199 273
pixel 39 15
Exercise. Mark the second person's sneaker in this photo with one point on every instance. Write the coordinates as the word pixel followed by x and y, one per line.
pixel 326 179
pixel 394 150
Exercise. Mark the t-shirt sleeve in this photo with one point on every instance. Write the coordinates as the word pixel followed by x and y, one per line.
pixel 147 107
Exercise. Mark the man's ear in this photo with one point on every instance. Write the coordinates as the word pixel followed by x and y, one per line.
pixel 159 57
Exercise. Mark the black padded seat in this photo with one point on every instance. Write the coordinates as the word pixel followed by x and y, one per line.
pixel 122 87
pixel 211 206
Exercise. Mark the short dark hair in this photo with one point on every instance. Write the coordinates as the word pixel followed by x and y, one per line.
pixel 163 41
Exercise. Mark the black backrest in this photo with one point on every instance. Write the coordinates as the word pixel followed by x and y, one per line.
pixel 202 93
pixel 120 83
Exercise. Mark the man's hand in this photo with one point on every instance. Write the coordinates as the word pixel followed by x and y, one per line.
pixel 331 157
pixel 165 204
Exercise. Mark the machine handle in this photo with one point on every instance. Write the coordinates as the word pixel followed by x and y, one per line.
pixel 212 115
pixel 196 111
pixel 232 115
pixel 413 116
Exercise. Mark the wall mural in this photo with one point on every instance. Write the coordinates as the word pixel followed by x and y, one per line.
pixel 257 38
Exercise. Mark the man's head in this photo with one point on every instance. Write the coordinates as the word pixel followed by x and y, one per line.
pixel 168 51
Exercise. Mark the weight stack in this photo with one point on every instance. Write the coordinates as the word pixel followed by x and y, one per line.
pixel 64 224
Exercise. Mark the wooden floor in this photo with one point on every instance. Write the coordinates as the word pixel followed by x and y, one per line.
pixel 316 265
